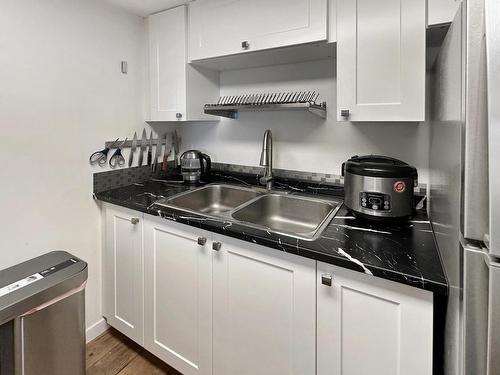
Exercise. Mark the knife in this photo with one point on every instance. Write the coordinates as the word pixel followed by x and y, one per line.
pixel 157 155
pixel 175 144
pixel 150 148
pixel 166 154
pixel 132 150
pixel 143 146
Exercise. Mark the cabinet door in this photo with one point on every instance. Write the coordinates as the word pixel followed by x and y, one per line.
pixel 332 21
pixel 178 301
pixel 264 311
pixel 441 11
pixel 123 271
pixel 381 60
pixel 167 60
pixel 218 27
pixel 370 326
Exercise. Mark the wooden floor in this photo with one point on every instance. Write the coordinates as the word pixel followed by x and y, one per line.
pixel 112 353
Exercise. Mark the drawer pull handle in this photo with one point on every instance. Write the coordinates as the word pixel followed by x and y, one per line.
pixel 216 246
pixel 245 44
pixel 134 220
pixel 202 241
pixel 326 279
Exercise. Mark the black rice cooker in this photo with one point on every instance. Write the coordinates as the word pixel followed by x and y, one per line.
pixel 379 187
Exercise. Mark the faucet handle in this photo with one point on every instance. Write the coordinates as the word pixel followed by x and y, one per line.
pixel 265 179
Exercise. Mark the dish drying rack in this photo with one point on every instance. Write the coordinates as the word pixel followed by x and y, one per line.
pixel 229 106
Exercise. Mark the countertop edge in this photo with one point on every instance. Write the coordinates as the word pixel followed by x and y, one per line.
pixel 344 262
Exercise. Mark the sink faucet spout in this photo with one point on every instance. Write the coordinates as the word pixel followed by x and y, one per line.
pixel 266 160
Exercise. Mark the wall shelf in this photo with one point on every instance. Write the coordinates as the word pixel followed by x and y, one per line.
pixel 230 106
pixel 231 111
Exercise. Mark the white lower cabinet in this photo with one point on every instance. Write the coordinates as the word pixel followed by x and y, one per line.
pixel 178 295
pixel 123 271
pixel 370 326
pixel 264 310
pixel 207 304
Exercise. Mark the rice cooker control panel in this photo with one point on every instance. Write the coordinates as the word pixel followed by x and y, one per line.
pixel 375 201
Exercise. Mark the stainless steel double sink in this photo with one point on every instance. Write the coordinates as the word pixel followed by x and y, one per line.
pixel 280 212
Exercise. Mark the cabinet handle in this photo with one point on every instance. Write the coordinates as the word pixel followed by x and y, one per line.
pixel 202 241
pixel 134 220
pixel 345 113
pixel 216 246
pixel 178 115
pixel 326 279
pixel 245 44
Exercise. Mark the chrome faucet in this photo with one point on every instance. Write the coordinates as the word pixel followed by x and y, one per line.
pixel 266 160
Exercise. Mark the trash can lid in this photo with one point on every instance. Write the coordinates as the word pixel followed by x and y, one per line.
pixel 37 281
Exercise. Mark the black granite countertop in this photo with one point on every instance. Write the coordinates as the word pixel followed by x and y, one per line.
pixel 404 252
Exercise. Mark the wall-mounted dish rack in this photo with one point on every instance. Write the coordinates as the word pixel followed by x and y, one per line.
pixel 229 106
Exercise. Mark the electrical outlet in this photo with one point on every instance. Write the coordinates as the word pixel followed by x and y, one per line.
pixel 124 67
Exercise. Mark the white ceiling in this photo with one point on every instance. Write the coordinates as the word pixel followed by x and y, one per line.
pixel 146 7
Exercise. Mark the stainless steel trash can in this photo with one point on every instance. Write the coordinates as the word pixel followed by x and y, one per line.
pixel 42 316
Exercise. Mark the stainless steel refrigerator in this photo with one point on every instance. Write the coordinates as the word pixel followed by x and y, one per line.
pixel 464 188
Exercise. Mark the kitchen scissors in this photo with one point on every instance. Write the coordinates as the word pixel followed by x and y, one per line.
pixel 117 160
pixel 101 157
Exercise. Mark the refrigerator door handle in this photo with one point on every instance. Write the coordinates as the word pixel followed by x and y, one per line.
pixel 494 320
pixel 475 308
pixel 492 22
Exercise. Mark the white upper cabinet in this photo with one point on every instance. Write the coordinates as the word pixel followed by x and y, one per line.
pixel 332 21
pixel 371 326
pixel 441 11
pixel 226 27
pixel 123 271
pixel 381 60
pixel 178 91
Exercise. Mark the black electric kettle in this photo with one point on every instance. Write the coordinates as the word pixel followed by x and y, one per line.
pixel 195 165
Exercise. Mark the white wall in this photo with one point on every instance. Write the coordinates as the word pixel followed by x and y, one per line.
pixel 61 95
pixel 302 141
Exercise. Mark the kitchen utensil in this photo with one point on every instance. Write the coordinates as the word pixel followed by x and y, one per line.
pixel 150 148
pixel 164 166
pixel 143 146
pixel 379 187
pixel 117 160
pixel 175 144
pixel 132 150
pixel 157 154
pixel 101 157
pixel 166 155
pixel 195 165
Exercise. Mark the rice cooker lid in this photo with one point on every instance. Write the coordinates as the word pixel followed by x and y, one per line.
pixel 379 166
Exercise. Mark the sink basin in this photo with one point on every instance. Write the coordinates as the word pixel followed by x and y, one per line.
pixel 296 216
pixel 212 199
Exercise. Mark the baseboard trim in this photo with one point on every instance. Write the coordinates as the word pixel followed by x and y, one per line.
pixel 96 329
